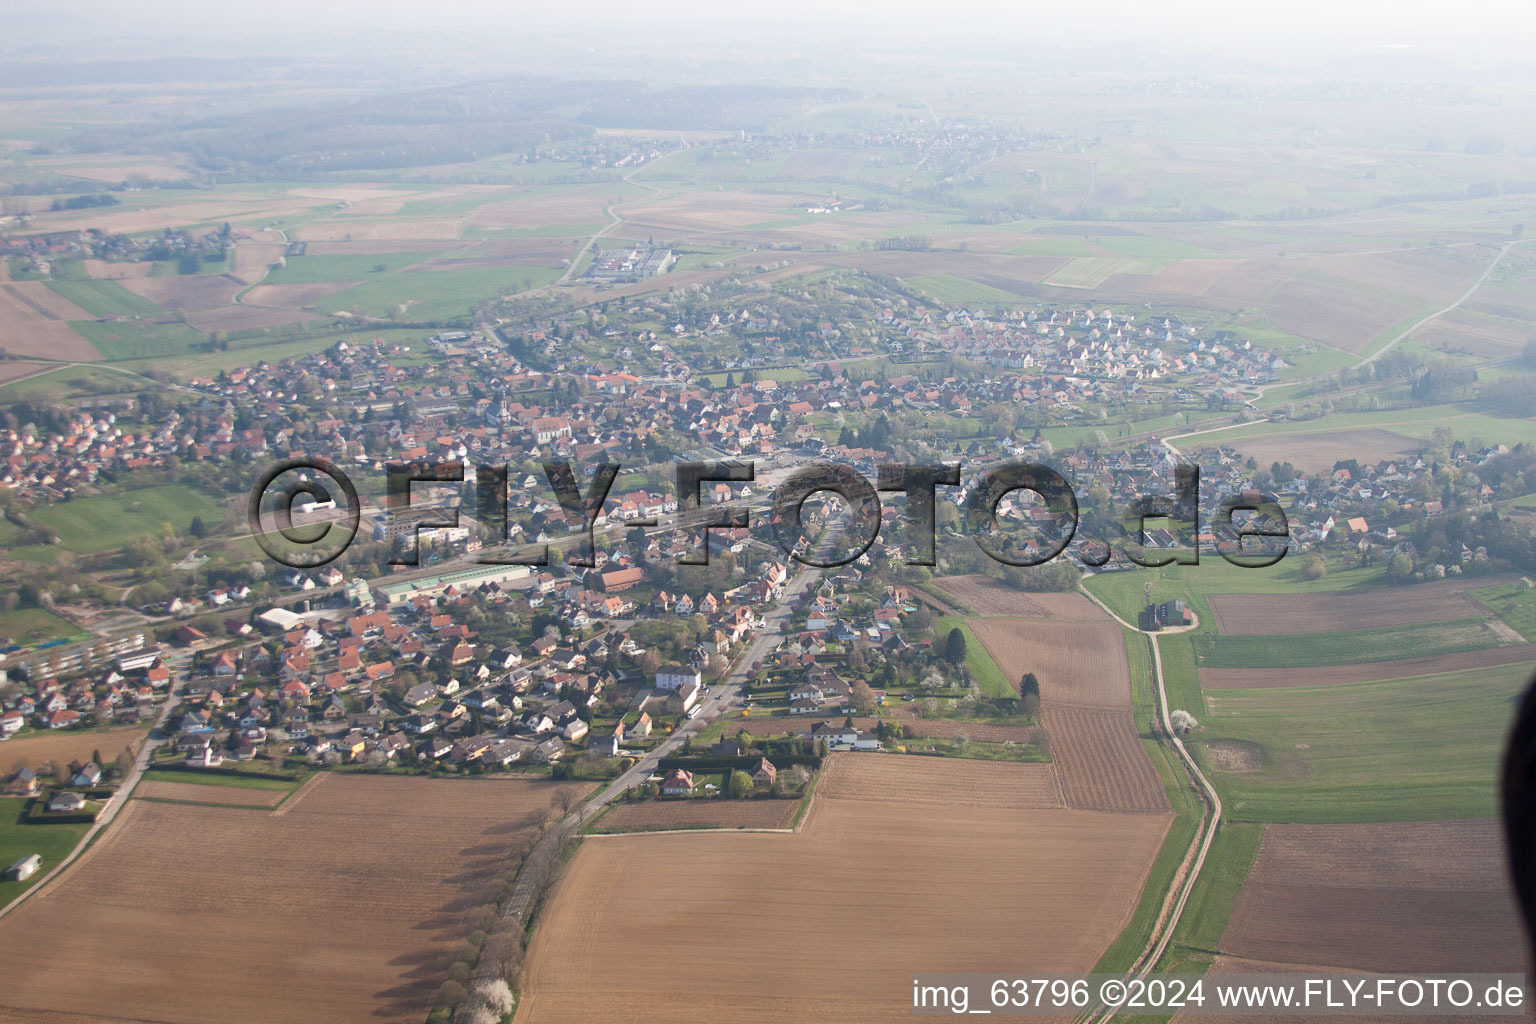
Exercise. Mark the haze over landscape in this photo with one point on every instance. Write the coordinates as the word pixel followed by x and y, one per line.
pixel 600 717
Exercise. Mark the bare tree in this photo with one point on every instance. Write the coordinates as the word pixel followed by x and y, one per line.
pixel 452 993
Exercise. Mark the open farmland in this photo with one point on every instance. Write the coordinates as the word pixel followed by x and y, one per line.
pixel 698 813
pixel 29 328
pixel 1316 453
pixel 1420 896
pixel 1079 664
pixel 196 792
pixel 1101 761
pixel 1345 647
pixel 36 749
pixel 1363 672
pixel 348 907
pixel 1406 749
pixel 1059 885
pixel 893 779
pixel 986 596
pixel 1243 614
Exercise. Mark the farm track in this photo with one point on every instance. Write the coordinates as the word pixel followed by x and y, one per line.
pixel 1184 879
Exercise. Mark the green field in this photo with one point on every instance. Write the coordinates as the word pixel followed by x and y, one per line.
pixel 1198 935
pixel 138 339
pixel 1515 603
pixel 105 298
pixel 956 290
pixel 1346 647
pixel 1092 271
pixel 1054 245
pixel 33 626
pixel 1122 591
pixel 438 294
pixel 1413 749
pixel 1151 247
pixel 984 670
pixel 66 382
pixel 318 269
pixel 104 522
pixel 52 842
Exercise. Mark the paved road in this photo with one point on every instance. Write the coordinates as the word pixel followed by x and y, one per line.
pixel 723 696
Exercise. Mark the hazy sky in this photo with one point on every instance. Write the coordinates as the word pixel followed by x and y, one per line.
pixel 1295 28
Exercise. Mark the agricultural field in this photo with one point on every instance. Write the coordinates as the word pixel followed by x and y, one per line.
pixel 103 522
pixel 31 327
pixel 1403 749
pixel 1305 649
pixel 1245 614
pixel 984 596
pixel 1085 692
pixel 655 815
pixel 1317 452
pixel 1100 760
pixel 195 790
pixel 172 941
pixel 992 680
pixel 1078 872
pixel 33 750
pixel 1079 664
pixel 1420 896
pixel 1367 671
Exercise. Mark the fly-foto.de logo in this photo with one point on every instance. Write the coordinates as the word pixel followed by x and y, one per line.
pixel 305 512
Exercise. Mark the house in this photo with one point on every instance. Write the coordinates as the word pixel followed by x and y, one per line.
pixel 66 803
pixel 674 677
pixel 23 783
pixel 574 730
pixel 419 694
pixel 840 737
pixel 90 775
pixel 605 746
pixel 205 757
pixel 642 727
pixel 23 869
pixel 678 782
pixel 10 723
pixel 764 773
pixel 552 749
pixel 686 697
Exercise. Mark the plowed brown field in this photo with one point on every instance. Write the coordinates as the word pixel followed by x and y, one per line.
pixel 1079 664
pixel 349 908
pixel 200 793
pixel 1406 896
pixel 829 924
pixel 40 748
pixel 1245 614
pixel 989 597
pixel 1100 760
pixel 939 780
